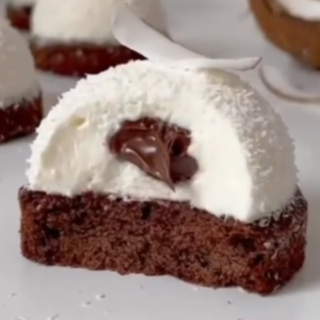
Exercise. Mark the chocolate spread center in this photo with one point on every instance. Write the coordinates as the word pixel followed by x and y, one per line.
pixel 157 148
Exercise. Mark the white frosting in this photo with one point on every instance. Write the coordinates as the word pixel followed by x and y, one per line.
pixel 17 72
pixel 23 2
pixel 87 20
pixel 244 152
pixel 305 9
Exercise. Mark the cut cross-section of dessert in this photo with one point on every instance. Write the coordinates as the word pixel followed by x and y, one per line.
pixel 165 169
pixel 78 40
pixel 20 95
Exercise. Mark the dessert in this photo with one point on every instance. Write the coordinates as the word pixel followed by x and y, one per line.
pixel 293 25
pixel 20 96
pixel 19 11
pixel 64 42
pixel 166 167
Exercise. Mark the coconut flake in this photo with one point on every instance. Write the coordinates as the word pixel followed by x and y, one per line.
pixel 278 85
pixel 134 33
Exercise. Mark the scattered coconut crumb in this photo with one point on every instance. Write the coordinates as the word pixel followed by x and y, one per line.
pixel 85 304
pixel 241 290
pixel 99 297
pixel 13 294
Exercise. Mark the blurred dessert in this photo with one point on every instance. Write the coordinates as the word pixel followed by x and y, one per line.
pixel 78 39
pixel 20 95
pixel 19 12
pixel 292 25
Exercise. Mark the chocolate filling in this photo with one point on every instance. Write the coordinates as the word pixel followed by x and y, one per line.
pixel 156 147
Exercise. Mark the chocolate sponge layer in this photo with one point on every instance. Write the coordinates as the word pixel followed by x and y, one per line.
pixel 19 16
pixel 99 232
pixel 79 59
pixel 20 119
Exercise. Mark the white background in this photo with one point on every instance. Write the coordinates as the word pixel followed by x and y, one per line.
pixel 32 292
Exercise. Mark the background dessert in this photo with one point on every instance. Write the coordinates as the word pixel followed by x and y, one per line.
pixel 20 95
pixel 19 11
pixel 292 25
pixel 78 40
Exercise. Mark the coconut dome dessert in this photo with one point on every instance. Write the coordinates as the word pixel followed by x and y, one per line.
pixel 20 96
pixel 19 11
pixel 78 39
pixel 170 166
pixel 293 25
pixel 166 171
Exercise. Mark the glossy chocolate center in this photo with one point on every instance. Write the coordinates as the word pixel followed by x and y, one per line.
pixel 157 148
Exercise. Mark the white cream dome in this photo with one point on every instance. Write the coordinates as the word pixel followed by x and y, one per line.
pixel 244 152
pixel 305 9
pixel 17 72
pixel 87 20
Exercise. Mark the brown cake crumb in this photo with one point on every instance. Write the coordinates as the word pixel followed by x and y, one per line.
pixel 79 59
pixel 20 119
pixel 296 36
pixel 19 16
pixel 98 232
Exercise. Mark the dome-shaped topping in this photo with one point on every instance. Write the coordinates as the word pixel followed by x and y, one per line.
pixel 244 155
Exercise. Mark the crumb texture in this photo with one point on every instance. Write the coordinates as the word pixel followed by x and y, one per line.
pixel 163 238
pixel 19 15
pixel 79 59
pixel 20 119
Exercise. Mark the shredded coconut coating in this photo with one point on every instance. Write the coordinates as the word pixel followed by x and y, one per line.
pixel 243 149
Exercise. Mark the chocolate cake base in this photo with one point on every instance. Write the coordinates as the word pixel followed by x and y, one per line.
pixel 296 36
pixel 79 59
pixel 20 119
pixel 19 16
pixel 100 232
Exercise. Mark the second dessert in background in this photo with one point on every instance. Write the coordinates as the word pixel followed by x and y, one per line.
pixel 20 94
pixel 78 40
pixel 293 25
pixel 18 13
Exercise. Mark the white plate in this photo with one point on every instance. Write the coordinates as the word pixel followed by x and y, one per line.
pixel 32 292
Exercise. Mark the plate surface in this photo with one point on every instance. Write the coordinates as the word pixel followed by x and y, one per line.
pixel 32 292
